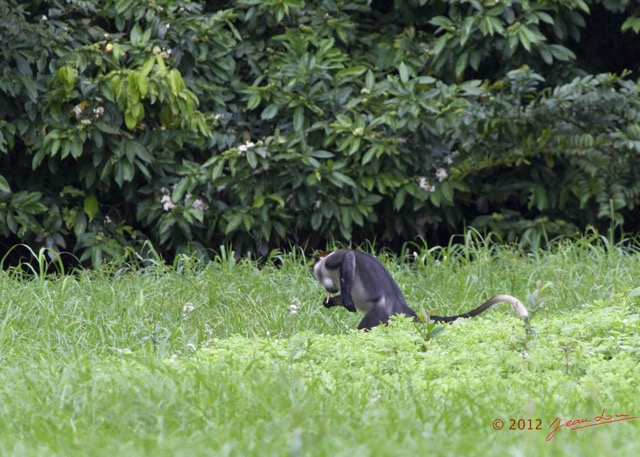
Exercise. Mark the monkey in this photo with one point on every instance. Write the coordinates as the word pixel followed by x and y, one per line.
pixel 366 285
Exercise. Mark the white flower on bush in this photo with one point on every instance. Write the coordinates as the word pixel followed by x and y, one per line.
pixel 199 205
pixel 245 147
pixel 167 203
pixel 441 174
pixel 248 145
pixel 425 185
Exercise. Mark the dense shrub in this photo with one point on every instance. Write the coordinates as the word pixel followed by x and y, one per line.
pixel 259 123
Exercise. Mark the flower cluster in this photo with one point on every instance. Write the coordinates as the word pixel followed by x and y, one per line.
pixel 246 147
pixel 187 309
pixel 199 205
pixel 165 53
pixel 441 174
pixel 295 306
pixel 425 185
pixel 167 202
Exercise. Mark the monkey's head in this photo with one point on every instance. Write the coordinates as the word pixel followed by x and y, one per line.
pixel 325 276
pixel 320 256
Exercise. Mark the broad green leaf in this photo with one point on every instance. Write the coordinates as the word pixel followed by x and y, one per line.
pixel 316 220
pixel 4 185
pixel 351 71
pixel 67 76
pixel 55 147
pixel 370 154
pixel 258 202
pixel 90 206
pixel 404 72
pixel 524 38
pixel 632 23
pixel 321 154
pixel 461 64
pixel 161 65
pixel 269 112
pixel 440 45
pixel 545 17
pixel 136 34
pixel 143 84
pixel 252 159
pixel 355 145
pixel 130 120
pixel 545 54
pixel 233 223
pixel 148 66
pixel 123 5
pixel 443 22
pixel 254 101
pixel 467 29
pixel 341 177
pixel 298 119
pixel 370 79
pixel 76 147
pixel 176 84
pixel 447 191
pixel 180 190
pixel 561 53
pixel 278 199
pixel 583 6
pixel 634 293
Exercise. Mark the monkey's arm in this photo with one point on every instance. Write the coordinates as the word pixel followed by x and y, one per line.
pixel 347 271
pixel 330 302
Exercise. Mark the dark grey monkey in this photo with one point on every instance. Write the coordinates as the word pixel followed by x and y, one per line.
pixel 366 285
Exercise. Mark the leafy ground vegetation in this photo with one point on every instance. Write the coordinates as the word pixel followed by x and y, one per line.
pixel 233 357
pixel 261 124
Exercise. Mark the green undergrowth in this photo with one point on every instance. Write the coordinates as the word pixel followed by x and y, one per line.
pixel 236 358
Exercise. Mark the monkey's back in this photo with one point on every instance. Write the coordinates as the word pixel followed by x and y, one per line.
pixel 378 286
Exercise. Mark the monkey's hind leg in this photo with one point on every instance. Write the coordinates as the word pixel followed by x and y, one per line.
pixel 373 318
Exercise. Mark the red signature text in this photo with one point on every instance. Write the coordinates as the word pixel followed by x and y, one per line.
pixel 577 424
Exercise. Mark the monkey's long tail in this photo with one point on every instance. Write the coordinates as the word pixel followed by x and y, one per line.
pixel 518 307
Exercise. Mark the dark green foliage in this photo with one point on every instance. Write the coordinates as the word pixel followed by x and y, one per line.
pixel 257 123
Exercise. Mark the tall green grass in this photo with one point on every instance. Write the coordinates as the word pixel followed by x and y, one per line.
pixel 235 357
